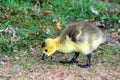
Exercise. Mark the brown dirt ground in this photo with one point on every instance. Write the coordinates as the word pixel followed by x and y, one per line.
pixel 11 71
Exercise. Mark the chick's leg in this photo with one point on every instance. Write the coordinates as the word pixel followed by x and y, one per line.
pixel 88 62
pixel 73 60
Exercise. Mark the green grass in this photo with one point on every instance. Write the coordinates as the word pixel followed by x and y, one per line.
pixel 31 27
pixel 66 10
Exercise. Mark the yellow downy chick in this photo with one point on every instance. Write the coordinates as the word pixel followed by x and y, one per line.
pixel 82 37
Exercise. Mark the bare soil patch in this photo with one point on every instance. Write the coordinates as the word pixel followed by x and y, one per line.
pixel 100 71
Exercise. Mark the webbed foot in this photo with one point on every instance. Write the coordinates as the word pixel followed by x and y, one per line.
pixel 88 62
pixel 84 66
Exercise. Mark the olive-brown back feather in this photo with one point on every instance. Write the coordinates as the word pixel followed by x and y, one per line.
pixel 86 28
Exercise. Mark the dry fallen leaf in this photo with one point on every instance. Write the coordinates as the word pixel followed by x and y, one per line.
pixel 92 19
pixel 5 16
pixel 35 45
pixel 100 47
pixel 46 12
pixel 58 25
pixel 118 30
pixel 11 31
pixel 114 35
pixel 8 30
pixel 54 20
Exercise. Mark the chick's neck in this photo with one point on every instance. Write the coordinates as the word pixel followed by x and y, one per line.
pixel 57 42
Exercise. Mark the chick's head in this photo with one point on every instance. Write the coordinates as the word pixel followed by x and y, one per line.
pixel 48 47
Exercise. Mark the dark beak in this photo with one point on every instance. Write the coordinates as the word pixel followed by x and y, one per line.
pixel 44 57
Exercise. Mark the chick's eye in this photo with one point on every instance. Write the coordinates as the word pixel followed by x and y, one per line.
pixel 46 50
